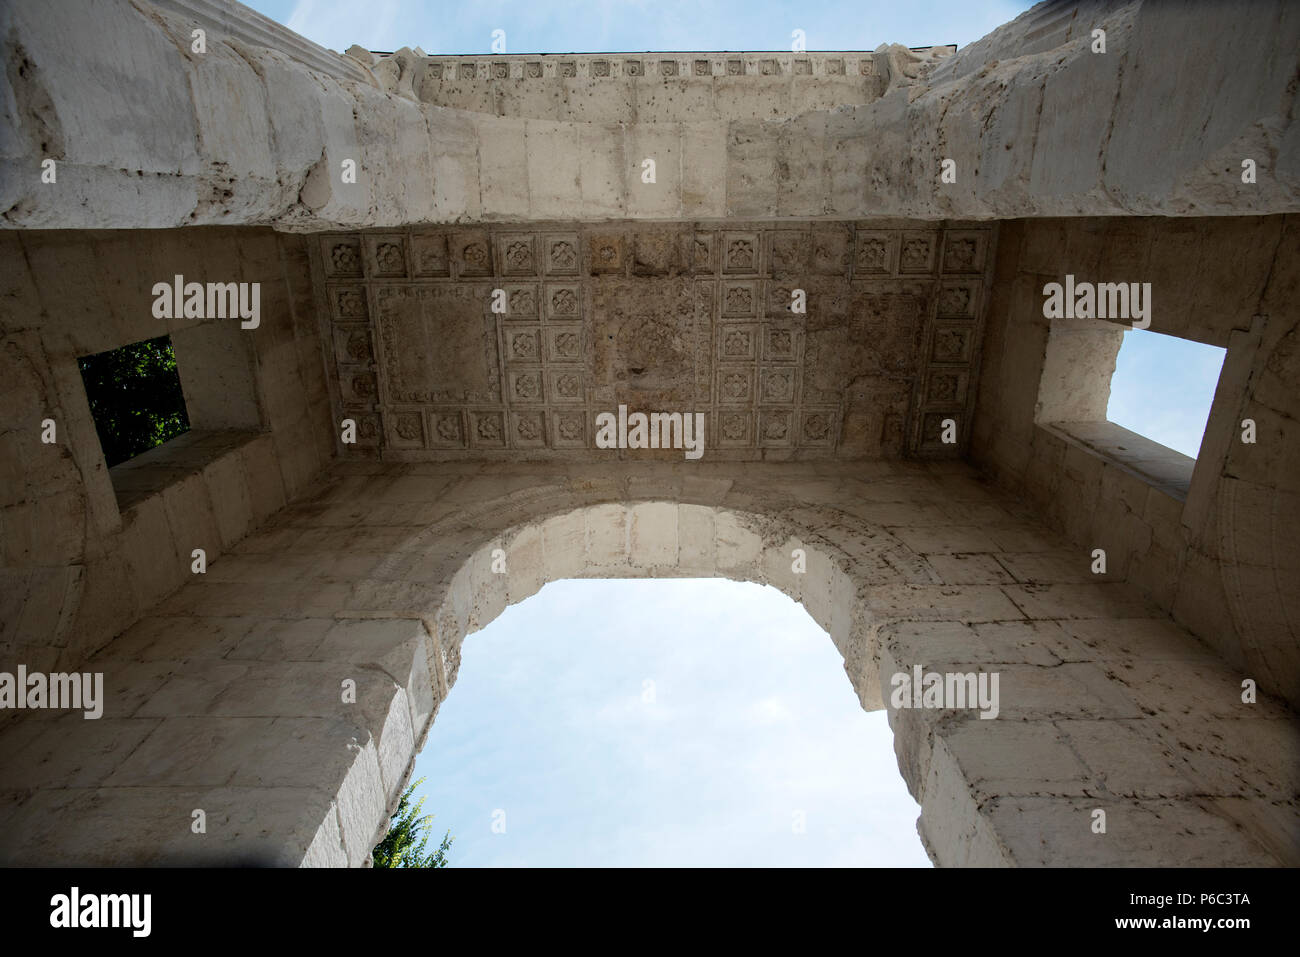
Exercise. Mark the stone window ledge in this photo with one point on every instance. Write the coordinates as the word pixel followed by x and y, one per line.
pixel 151 472
pixel 1157 465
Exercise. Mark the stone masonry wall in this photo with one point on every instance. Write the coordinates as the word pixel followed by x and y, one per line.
pixel 86 552
pixel 227 698
pixel 1036 123
pixel 1221 561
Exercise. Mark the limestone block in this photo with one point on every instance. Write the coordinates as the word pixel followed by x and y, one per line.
pixel 968 569
pixel 544 102
pixel 1135 639
pixel 503 167
pixel 607 531
pixel 816 591
pixel 105 607
pixel 296 450
pixel 265 485
pixel 230 103
pixel 1073 689
pixel 967 603
pixel 1042 643
pixel 912 729
pixel 801 166
pixel 395 140
pixel 653 534
pixel 891 514
pixel 661 143
pixel 1023 537
pixel 860 659
pixel 778 568
pixel 1097 600
pixel 1024 757
pixel 704 170
pixel 195 689
pixel 673 99
pixel 227 485
pixel 114 827
pixel 1156 573
pixel 752 170
pixel 927 643
pixel 150 552
pixel 1060 567
pixel 564 541
pixel 525 564
pixel 490 590
pixel 946 539
pixel 361 803
pixel 751 98
pixel 1126 759
pixel 1274 826
pixel 326 846
pixel 555 161
pixel 952 827
pixel 1037 831
pixel 454 165
pixel 323 191
pixel 64 750
pixel 1210 750
pixel 1193 687
pixel 738 548
pixel 38 603
pixel 696 540
pixel 1070 143
pixel 601 102
pixel 192 519
pixel 600 174
pixel 394 738
pixel 140 114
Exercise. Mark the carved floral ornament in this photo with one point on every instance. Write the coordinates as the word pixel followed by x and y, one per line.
pixel 528 428
pixel 459 71
pixel 705 314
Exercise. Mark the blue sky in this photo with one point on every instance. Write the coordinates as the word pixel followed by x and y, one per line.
pixel 670 722
pixel 592 26
pixel 1163 387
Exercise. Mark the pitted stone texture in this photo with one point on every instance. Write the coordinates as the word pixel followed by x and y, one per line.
pixel 234 683
pixel 1202 539
pixel 647 88
pixel 1037 124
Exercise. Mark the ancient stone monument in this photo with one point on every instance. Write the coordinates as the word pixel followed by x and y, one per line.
pixel 467 269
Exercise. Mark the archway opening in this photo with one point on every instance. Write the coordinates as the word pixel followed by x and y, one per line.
pixel 649 722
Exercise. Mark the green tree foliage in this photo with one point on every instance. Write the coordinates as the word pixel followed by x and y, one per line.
pixel 403 845
pixel 135 397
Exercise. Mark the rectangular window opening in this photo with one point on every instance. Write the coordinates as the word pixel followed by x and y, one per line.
pixel 135 397
pixel 1163 388
pixel 1149 414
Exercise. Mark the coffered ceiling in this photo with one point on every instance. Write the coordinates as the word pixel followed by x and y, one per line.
pixel 685 317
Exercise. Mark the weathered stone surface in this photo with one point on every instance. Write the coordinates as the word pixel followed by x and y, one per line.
pixel 252 701
pixel 514 338
pixel 1036 122
pixel 475 476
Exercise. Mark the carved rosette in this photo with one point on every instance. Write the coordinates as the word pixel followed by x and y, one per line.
pixel 849 339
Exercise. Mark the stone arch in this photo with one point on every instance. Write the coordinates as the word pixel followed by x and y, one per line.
pixel 603 536
pixel 660 539
pixel 404 630
pixel 227 695
pixel 647 539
